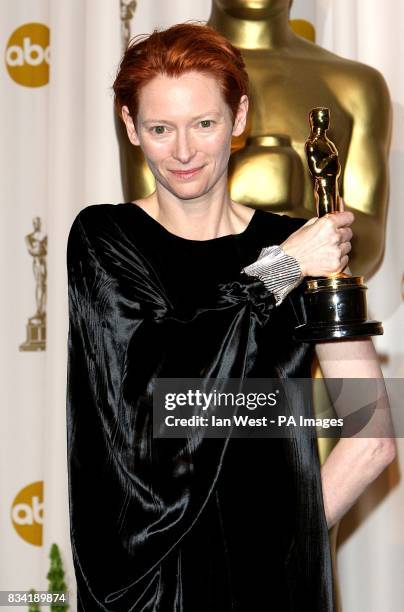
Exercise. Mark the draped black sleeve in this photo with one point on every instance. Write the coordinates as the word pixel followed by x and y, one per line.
pixel 158 524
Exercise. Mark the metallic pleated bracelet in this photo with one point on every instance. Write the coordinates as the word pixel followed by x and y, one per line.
pixel 279 272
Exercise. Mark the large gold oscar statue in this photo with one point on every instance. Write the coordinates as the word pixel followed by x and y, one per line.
pixel 289 76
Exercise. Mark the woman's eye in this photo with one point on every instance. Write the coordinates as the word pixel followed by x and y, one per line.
pixel 158 129
pixel 206 123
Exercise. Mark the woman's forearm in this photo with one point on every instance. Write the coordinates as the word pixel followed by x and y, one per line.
pixel 355 461
pixel 349 469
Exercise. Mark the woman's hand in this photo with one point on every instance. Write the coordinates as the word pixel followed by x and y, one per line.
pixel 321 245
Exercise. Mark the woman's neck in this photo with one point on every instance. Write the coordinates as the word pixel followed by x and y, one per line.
pixel 273 32
pixel 210 216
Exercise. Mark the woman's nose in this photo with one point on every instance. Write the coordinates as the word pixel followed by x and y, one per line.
pixel 184 150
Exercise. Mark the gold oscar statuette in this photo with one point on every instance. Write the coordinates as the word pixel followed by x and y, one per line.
pixel 37 244
pixel 334 306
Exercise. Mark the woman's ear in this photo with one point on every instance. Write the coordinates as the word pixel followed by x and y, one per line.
pixel 240 120
pixel 130 126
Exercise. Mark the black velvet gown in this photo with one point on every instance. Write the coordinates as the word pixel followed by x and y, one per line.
pixel 176 525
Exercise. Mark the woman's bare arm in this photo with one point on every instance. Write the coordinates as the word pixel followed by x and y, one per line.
pixel 356 461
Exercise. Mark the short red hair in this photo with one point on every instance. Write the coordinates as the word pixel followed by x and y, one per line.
pixel 172 52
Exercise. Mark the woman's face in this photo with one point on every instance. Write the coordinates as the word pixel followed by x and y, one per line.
pixel 184 128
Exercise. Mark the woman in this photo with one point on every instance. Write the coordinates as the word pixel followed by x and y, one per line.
pixel 167 287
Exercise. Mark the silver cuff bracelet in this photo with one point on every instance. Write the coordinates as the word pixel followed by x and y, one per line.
pixel 279 272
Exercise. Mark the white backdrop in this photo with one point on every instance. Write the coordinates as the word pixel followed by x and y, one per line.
pixel 23 193
pixel 60 154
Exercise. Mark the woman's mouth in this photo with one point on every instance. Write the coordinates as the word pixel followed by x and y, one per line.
pixel 186 174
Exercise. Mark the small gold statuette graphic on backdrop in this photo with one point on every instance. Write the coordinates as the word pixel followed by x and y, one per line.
pixel 334 307
pixel 127 9
pixel 37 244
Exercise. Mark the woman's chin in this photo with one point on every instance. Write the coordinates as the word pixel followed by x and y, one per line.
pixel 188 191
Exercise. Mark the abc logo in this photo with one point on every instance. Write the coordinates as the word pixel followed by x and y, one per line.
pixel 27 513
pixel 28 55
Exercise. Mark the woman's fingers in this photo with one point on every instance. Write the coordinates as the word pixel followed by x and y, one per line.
pixel 335 220
pixel 321 245
pixel 345 234
pixel 340 219
pixel 345 248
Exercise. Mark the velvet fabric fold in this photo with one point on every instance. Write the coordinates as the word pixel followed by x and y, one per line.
pixel 183 525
